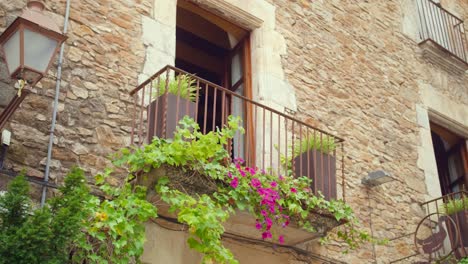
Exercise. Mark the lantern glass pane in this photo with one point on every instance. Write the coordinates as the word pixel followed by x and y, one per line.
pixel 38 50
pixel 12 52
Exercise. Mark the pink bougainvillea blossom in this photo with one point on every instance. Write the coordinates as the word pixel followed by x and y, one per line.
pixel 242 173
pixel 258 225
pixel 255 183
pixel 268 223
pixel 270 192
pixel 239 161
pixel 235 182
pixel 281 239
pixel 266 234
pixel 252 171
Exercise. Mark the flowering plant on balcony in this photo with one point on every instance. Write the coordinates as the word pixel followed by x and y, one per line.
pixel 272 199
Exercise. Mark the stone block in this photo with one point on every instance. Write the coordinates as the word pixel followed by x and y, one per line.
pixel 158 35
pixel 165 12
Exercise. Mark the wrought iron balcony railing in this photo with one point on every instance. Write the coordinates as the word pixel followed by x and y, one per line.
pixel 450 238
pixel 273 141
pixel 442 28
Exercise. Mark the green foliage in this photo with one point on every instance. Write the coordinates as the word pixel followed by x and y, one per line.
pixel 43 235
pixel 323 143
pixel 191 150
pixel 15 204
pixel 182 85
pixel 454 206
pixel 204 217
pixel 74 226
pixel 463 261
pixel 114 228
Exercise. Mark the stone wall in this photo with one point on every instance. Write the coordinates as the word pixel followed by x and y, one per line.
pixel 352 68
pixel 358 75
pixel 104 54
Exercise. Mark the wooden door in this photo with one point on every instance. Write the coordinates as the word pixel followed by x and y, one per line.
pixel 239 82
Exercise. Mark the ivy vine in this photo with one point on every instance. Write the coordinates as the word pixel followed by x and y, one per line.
pixel 78 227
pixel 272 199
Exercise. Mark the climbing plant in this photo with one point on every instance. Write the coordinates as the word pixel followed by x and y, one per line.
pixel 272 199
pixel 113 229
pixel 76 226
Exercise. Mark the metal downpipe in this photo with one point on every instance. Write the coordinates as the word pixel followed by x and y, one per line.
pixel 54 113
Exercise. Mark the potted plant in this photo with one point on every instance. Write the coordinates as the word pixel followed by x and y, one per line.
pixel 457 209
pixel 171 101
pixel 455 206
pixel 313 157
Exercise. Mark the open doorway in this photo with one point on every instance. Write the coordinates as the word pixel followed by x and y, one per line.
pixel 451 156
pixel 218 51
pixel 450 152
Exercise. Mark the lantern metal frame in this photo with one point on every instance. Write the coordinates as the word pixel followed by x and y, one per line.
pixel 28 22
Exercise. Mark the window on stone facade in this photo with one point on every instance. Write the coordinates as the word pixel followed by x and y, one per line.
pixel 218 51
pixel 442 29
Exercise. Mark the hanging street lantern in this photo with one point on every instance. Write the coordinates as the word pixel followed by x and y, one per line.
pixel 30 44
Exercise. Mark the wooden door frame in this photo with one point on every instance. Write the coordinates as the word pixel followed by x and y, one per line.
pixel 246 80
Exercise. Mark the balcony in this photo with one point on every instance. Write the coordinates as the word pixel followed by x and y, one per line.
pixel 443 35
pixel 444 230
pixel 272 141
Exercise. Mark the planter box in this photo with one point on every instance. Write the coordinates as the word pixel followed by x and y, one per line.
pixel 157 120
pixel 461 220
pixel 319 167
pixel 242 223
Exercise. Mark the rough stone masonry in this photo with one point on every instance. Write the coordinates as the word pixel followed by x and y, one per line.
pixel 353 68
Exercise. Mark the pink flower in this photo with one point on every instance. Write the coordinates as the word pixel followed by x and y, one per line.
pixel 264 213
pixel 242 173
pixel 271 207
pixel 238 160
pixel 251 171
pixel 255 183
pixel 258 225
pixel 293 190
pixel 281 239
pixel 273 184
pixel 230 175
pixel 266 234
pixel 235 182
pixel 269 223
